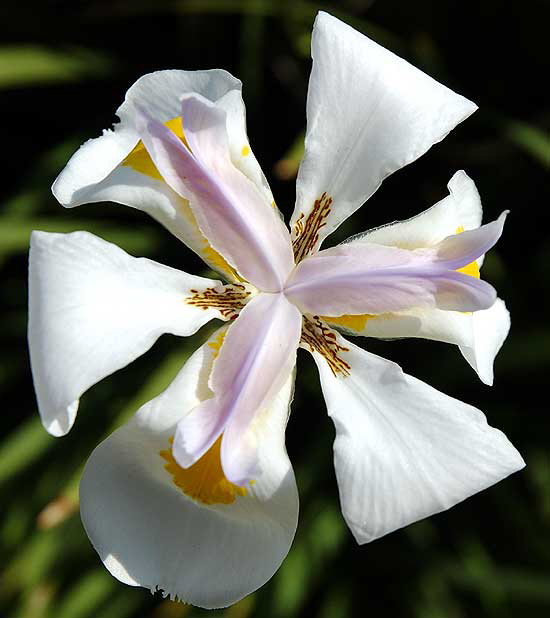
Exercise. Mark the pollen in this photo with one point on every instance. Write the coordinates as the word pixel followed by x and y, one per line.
pixel 245 151
pixel 306 229
pixel 228 300
pixel 204 481
pixel 319 338
pixel 472 268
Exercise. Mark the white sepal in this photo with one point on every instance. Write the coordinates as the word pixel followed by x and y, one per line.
pixel 369 113
pixel 403 450
pixel 92 310
pixel 149 533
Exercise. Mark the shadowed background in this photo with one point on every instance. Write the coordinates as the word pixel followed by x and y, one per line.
pixel 64 69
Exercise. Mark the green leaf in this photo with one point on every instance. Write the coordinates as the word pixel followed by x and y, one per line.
pixel 28 65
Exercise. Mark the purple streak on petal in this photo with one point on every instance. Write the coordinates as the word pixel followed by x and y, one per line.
pixel 255 360
pixel 371 278
pixel 229 209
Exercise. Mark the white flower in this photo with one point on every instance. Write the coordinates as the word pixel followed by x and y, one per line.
pixel 195 495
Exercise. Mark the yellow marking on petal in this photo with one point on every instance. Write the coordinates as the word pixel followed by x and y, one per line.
pixel 204 481
pixel 139 159
pixel 352 322
pixel 472 268
pixel 245 151
pixel 217 261
pixel 216 344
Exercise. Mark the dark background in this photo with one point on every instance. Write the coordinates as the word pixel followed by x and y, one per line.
pixel 64 69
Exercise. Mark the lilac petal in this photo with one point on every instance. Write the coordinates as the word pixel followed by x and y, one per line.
pixel 255 360
pixel 458 250
pixel 230 210
pixel 369 278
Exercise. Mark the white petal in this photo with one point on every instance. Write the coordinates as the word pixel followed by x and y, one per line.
pixel 92 310
pixel 94 173
pixel 460 209
pixel 403 450
pixel 369 113
pixel 149 533
pixel 490 329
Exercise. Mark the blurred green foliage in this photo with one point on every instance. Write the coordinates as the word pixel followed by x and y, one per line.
pixel 64 68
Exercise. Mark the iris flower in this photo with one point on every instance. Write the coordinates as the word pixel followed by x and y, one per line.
pixel 196 495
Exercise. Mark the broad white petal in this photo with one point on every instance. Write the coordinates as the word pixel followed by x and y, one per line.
pixel 230 210
pixel 92 310
pixel 403 450
pixel 490 329
pixel 96 171
pixel 256 358
pixel 369 113
pixel 149 533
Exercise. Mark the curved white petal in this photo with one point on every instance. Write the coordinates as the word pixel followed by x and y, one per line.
pixel 230 210
pixel 92 310
pixel 403 450
pixel 461 209
pixel 490 329
pixel 95 173
pixel 149 533
pixel 257 356
pixel 369 113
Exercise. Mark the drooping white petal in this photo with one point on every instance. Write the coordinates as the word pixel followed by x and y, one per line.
pixel 230 210
pixel 368 278
pixel 490 329
pixel 92 310
pixel 96 171
pixel 149 533
pixel 257 356
pixel 369 113
pixel 403 450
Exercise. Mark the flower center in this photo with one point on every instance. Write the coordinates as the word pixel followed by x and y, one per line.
pixel 204 481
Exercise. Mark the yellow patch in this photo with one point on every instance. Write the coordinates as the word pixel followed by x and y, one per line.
pixel 216 344
pixel 352 322
pixel 139 159
pixel 245 151
pixel 204 481
pixel 472 268
pixel 217 261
